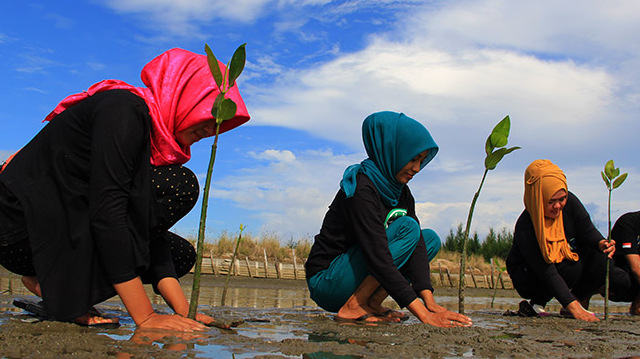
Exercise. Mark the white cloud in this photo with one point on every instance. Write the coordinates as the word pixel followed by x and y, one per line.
pixel 459 69
pixel 275 155
pixel 184 17
pixel 291 192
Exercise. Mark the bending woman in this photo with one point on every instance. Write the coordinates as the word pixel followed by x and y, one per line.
pixel 86 205
pixel 557 251
pixel 370 244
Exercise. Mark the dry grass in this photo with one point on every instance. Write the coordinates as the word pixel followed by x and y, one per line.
pixel 451 260
pixel 255 248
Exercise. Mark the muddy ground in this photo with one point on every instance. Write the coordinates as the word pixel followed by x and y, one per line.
pixel 291 326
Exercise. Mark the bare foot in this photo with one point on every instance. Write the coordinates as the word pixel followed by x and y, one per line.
pixel 393 315
pixel 32 284
pixel 92 320
pixel 361 313
pixel 634 308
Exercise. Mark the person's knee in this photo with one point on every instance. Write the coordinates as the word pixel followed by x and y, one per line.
pixel 432 241
pixel 189 187
pixel 406 227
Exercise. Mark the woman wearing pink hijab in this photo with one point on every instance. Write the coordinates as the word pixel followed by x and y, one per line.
pixel 86 205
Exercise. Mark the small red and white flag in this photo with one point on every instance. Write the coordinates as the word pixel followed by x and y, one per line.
pixel 626 245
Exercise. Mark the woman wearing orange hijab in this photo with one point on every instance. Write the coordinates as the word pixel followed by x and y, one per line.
pixel 86 205
pixel 557 251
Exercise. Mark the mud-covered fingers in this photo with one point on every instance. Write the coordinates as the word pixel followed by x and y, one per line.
pixel 191 324
pixel 204 319
pixel 460 319
pixel 172 322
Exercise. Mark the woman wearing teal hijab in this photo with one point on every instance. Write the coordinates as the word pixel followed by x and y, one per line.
pixel 370 245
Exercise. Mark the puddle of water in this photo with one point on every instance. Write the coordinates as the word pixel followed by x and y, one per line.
pixel 274 314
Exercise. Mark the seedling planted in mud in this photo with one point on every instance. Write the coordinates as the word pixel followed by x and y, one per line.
pixel 612 179
pixel 495 285
pixel 231 265
pixel 223 109
pixel 495 150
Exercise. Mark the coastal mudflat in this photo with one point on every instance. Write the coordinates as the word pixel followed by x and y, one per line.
pixel 280 321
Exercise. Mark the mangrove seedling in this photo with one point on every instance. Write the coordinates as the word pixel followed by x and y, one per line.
pixel 612 179
pixel 496 149
pixel 223 109
pixel 495 285
pixel 231 265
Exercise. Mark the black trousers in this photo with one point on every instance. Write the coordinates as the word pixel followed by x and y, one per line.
pixel 584 277
pixel 176 192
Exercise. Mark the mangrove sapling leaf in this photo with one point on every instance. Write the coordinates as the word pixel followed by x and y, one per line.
pixel 612 179
pixel 237 64
pixel 497 139
pixel 222 110
pixel 226 110
pixel 618 181
pixel 500 134
pixel 233 261
pixel 213 66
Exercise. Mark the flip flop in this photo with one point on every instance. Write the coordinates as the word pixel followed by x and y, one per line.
pixel 361 319
pixel 387 313
pixel 37 309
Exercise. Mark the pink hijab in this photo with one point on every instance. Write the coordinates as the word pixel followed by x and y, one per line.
pixel 180 93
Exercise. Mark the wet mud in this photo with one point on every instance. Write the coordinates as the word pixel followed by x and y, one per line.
pixel 281 322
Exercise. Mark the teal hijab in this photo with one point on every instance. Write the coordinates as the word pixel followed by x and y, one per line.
pixel 391 140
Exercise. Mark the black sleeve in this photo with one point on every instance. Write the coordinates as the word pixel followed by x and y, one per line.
pixel 368 227
pixel 626 233
pixel 161 265
pixel 524 235
pixel 119 136
pixel 586 233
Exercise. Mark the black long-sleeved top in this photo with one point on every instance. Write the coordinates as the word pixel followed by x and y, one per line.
pixel 525 251
pixel 360 220
pixel 84 184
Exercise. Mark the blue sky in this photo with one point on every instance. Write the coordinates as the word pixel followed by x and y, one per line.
pixel 567 73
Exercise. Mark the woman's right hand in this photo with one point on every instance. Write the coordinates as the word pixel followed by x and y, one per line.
pixel 578 312
pixel 171 322
pixel 447 319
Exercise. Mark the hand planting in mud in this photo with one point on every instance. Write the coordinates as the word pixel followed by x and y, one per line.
pixel 495 150
pixel 223 109
pixel 435 314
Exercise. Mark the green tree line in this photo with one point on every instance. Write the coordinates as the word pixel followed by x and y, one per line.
pixel 495 244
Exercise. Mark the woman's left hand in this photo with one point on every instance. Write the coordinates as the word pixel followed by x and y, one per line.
pixel 607 247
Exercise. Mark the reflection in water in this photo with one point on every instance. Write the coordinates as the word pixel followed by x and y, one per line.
pixel 327 355
pixel 271 296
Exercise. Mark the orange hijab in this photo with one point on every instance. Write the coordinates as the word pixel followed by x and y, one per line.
pixel 542 179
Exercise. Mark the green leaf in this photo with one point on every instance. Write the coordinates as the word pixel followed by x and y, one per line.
pixel 237 64
pixel 226 110
pixel 605 179
pixel 500 133
pixel 488 147
pixel 492 160
pixel 214 66
pixel 608 169
pixel 216 105
pixel 618 182
pixel 616 172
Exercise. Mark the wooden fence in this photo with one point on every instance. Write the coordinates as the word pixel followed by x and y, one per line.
pixel 274 269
